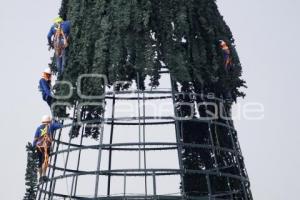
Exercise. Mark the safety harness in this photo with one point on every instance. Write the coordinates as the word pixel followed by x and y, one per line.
pixel 227 57
pixel 44 144
pixel 59 41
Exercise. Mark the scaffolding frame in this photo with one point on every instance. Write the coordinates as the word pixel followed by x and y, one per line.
pixel 48 191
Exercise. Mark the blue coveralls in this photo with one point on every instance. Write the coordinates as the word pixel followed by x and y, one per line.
pixel 45 88
pixel 38 139
pixel 60 60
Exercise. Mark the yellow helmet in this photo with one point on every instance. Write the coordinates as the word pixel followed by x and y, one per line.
pixel 58 20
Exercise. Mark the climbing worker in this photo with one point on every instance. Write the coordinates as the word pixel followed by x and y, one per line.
pixel 58 37
pixel 42 143
pixel 45 86
pixel 226 53
pixel 227 93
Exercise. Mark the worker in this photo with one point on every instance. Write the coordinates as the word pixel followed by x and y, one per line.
pixel 227 54
pixel 58 37
pixel 45 86
pixel 227 94
pixel 42 143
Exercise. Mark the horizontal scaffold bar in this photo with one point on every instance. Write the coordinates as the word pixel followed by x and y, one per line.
pixel 161 146
pixel 138 172
pixel 127 121
pixel 148 197
pixel 203 97
pixel 146 172
pixel 139 98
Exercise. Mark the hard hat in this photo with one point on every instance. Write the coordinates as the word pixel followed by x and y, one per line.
pixel 46 119
pixel 222 42
pixel 58 20
pixel 47 71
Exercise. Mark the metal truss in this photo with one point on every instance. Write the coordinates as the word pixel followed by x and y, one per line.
pixel 223 161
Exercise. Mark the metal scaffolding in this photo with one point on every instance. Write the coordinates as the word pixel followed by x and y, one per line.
pixel 128 162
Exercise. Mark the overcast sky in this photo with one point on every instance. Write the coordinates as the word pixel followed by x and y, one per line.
pixel 267 37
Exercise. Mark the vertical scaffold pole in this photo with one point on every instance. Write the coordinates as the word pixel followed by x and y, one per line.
pixel 110 142
pixel 178 137
pixel 99 156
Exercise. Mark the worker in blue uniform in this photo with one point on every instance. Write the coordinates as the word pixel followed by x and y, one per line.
pixel 227 66
pixel 226 54
pixel 58 37
pixel 43 138
pixel 45 86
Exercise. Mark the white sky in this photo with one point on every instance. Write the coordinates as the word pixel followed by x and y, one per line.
pixel 267 37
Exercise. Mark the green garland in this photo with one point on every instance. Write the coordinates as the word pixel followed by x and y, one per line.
pixel 31 173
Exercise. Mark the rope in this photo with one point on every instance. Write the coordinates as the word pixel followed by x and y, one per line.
pixel 46 142
pixel 58 47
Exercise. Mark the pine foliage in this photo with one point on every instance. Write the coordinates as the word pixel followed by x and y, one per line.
pixel 120 38
pixel 31 173
pixel 123 38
